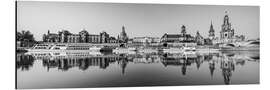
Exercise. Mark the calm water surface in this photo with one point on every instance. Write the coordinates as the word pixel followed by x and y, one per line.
pixel 95 69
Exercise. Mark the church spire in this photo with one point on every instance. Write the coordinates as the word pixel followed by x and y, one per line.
pixel 211 31
pixel 183 31
pixel 226 18
pixel 211 27
pixel 123 35
pixel 123 28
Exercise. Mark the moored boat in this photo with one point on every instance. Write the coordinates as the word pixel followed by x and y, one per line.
pixel 147 50
pixel 189 48
pixel 173 50
pixel 178 49
pixel 59 47
pixel 124 50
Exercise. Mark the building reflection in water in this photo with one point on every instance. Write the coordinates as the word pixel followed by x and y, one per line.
pixel 24 62
pixel 211 68
pixel 227 67
pixel 84 61
pixel 123 61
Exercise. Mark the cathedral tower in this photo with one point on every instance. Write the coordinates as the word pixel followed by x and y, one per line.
pixel 183 31
pixel 211 32
pixel 227 33
pixel 123 36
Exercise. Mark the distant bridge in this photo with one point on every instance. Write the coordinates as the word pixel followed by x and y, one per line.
pixel 244 43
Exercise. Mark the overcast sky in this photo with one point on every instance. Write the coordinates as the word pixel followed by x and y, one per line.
pixel 139 19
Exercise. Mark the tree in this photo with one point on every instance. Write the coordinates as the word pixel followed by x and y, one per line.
pixel 25 37
pixel 19 36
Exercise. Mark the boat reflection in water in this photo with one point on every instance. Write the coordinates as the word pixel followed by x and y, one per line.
pixel 95 69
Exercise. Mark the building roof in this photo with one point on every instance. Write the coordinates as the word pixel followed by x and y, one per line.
pixel 93 35
pixel 176 35
pixel 83 32
pixel 146 37
pixel 52 35
pixel 112 38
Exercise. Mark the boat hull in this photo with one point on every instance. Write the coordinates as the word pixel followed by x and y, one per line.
pixel 49 50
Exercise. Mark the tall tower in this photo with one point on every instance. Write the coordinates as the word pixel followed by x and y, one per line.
pixel 123 35
pixel 183 30
pixel 199 39
pixel 227 33
pixel 211 32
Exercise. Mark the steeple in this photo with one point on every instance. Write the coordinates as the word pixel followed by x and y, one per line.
pixel 211 28
pixel 211 31
pixel 226 18
pixel 183 31
pixel 226 31
pixel 198 33
pixel 123 35
pixel 211 24
pixel 123 29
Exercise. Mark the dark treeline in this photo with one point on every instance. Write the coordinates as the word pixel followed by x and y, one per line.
pixel 25 39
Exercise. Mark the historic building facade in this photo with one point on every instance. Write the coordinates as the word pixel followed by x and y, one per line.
pixel 74 38
pixel 51 37
pixel 84 36
pixel 183 37
pixel 65 36
pixel 145 40
pixel 199 39
pixel 104 37
pixel 113 40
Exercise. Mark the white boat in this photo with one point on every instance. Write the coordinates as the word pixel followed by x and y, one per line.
pixel 173 50
pixel 207 50
pixel 189 48
pixel 64 54
pixel 124 50
pixel 60 47
pixel 147 50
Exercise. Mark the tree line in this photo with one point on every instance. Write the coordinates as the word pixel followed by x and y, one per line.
pixel 25 39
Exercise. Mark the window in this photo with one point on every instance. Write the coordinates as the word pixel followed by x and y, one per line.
pixel 56 48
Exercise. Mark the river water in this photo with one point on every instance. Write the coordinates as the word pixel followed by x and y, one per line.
pixel 96 69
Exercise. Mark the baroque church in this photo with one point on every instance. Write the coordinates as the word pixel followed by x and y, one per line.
pixel 227 34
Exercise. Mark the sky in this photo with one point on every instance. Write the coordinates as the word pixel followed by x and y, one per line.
pixel 139 19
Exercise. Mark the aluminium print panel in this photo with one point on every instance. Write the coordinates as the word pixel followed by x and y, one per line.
pixel 86 45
